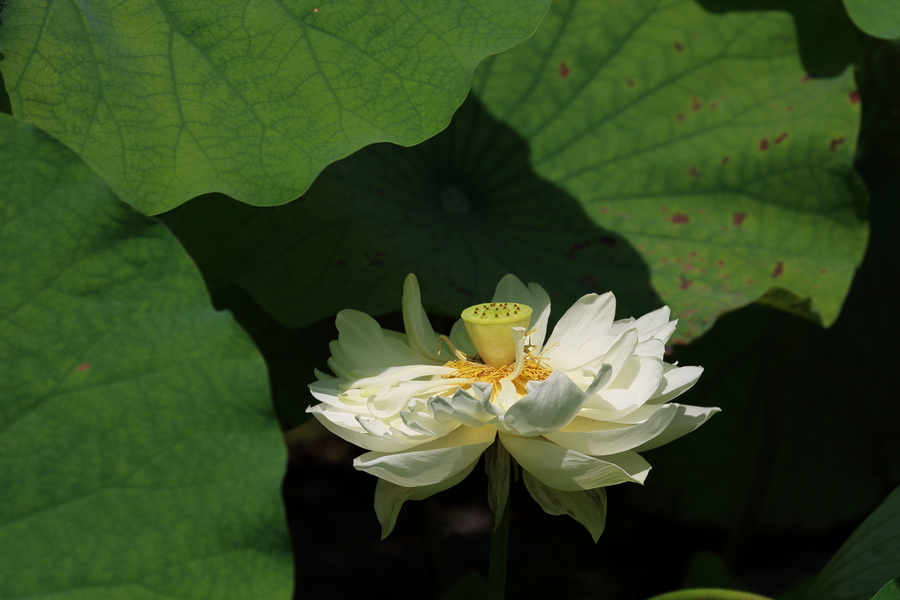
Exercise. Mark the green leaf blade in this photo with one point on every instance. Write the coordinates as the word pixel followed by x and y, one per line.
pixel 171 100
pixel 869 557
pixel 878 18
pixel 700 139
pixel 138 454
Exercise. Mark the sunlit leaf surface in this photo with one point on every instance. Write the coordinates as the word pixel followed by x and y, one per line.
pixel 700 139
pixel 168 100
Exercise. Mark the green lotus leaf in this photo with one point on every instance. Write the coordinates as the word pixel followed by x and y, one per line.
pixel 138 454
pixel 867 559
pixel 168 100
pixel 460 210
pixel 879 18
pixel 700 139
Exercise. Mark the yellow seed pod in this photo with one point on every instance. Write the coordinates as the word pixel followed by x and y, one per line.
pixel 490 327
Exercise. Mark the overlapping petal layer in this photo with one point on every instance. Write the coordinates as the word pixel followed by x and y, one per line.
pixel 572 411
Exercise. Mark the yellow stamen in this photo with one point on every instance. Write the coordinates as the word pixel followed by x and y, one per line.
pixel 532 370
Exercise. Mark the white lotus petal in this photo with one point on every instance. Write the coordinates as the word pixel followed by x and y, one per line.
pixel 588 507
pixel 397 398
pixel 568 470
pixel 339 364
pixel 506 396
pixel 641 375
pixel 420 335
pixel 322 375
pixel 345 426
pixel 463 407
pixel 590 354
pixel 426 424
pixel 460 338
pixel 612 401
pixel 652 321
pixel 664 332
pixel 651 347
pixel 621 350
pixel 676 381
pixel 511 289
pixel 540 304
pixel 686 419
pixel 588 318
pixel 432 462
pixel 548 406
pixel 603 438
pixel 328 392
pixel 365 345
pixel 390 497
pixel 361 378
pixel 619 326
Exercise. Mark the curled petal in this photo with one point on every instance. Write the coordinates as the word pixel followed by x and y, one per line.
pixel 469 409
pixel 432 462
pixel 686 419
pixel 389 497
pixel 397 398
pixel 675 381
pixel 588 507
pixel 570 471
pixel 329 392
pixel 549 406
pixel 344 425
pixel 603 438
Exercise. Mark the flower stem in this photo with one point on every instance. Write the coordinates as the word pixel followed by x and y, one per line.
pixel 499 550
pixel 708 594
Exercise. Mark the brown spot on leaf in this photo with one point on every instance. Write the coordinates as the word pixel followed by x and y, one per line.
pixel 738 219
pixel 695 103
pixel 836 142
pixel 685 283
pixel 694 172
pixel 679 117
pixel 678 47
pixel 781 137
pixel 726 160
pixel 763 145
pixel 854 97
pixel 564 70
pixel 630 83
pixel 680 218
pixel 779 269
pixel 84 367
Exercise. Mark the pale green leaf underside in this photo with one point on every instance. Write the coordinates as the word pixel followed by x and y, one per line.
pixel 700 139
pixel 138 454
pixel 167 100
pixel 879 18
pixel 869 558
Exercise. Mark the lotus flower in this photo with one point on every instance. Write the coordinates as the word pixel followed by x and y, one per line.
pixel 573 409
